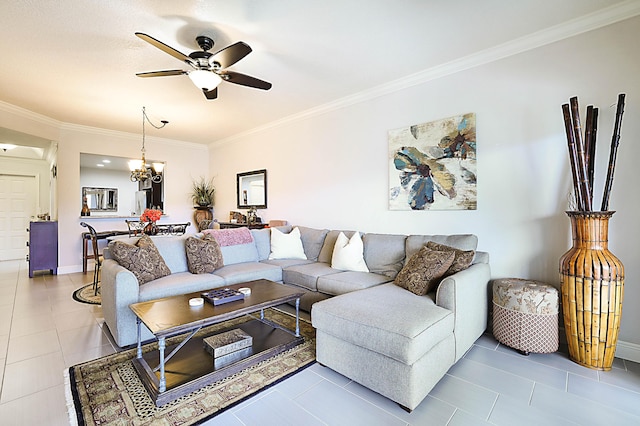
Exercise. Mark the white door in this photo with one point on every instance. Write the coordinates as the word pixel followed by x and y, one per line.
pixel 18 196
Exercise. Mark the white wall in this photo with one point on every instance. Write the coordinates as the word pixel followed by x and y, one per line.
pixel 331 170
pixel 182 160
pixel 119 179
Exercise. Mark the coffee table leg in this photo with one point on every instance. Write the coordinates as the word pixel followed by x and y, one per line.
pixel 139 353
pixel 298 317
pixel 162 386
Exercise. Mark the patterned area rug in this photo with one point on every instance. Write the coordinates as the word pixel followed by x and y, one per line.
pixel 109 391
pixel 85 294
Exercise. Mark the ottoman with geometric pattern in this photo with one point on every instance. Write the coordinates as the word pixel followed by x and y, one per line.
pixel 525 315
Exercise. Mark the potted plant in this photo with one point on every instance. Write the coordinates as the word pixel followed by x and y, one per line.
pixel 202 192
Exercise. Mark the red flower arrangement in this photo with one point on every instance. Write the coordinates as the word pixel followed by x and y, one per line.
pixel 151 215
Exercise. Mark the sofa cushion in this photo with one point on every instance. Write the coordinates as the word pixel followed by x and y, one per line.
pixel 248 271
pixel 203 255
pixel 459 241
pixel 312 241
pixel 237 245
pixel 306 276
pixel 286 246
pixel 348 253
pixel 262 238
pixel 462 258
pixel 384 253
pixel 171 248
pixel 179 283
pixel 422 272
pixel 143 259
pixel 385 319
pixel 347 281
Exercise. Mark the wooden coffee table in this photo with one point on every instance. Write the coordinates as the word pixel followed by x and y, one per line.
pixel 188 366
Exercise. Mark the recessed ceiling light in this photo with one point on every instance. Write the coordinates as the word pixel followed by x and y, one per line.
pixel 106 161
pixel 99 165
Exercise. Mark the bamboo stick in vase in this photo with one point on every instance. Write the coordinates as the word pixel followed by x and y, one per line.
pixel 582 170
pixel 573 155
pixel 615 140
pixel 591 166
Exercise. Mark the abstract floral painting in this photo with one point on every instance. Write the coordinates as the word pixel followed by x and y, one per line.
pixel 432 166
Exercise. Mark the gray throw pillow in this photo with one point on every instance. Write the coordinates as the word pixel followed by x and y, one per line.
pixel 203 255
pixel 143 259
pixel 422 272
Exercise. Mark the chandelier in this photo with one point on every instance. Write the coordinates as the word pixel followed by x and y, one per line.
pixel 140 170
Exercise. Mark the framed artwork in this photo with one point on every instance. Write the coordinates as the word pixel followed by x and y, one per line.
pixel 432 166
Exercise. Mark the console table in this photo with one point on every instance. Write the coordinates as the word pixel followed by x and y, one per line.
pixel 226 225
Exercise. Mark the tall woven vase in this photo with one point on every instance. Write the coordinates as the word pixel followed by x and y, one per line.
pixel 592 290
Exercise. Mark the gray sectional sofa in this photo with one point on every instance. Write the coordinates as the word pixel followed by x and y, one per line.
pixel 368 329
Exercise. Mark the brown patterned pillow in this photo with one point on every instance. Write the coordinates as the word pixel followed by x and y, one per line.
pixel 423 270
pixel 203 255
pixel 143 259
pixel 462 258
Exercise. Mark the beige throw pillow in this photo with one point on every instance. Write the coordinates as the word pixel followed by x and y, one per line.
pixel 143 259
pixel 286 246
pixel 461 261
pixel 422 272
pixel 348 253
pixel 203 255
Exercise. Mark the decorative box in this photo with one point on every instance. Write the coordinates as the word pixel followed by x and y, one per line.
pixel 225 343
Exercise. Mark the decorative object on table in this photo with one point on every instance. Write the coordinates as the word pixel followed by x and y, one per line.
pixel 432 166
pixel 150 216
pixel 237 217
pixel 202 195
pixel 85 208
pixel 525 315
pixel 592 277
pixel 220 296
pixel 252 216
pixel 140 171
pixel 127 400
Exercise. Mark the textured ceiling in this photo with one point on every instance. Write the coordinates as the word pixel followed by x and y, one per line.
pixel 75 60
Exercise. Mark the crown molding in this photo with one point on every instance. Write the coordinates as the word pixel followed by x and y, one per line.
pixel 127 135
pixel 60 125
pixel 30 115
pixel 592 21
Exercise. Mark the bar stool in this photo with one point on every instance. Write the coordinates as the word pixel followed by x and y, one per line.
pixel 97 257
pixel 525 315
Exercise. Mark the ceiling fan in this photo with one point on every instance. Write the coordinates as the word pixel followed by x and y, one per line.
pixel 209 69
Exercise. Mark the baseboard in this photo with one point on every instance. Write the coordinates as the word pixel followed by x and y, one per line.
pixel 628 351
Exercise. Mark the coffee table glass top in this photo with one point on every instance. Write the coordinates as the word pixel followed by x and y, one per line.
pixel 173 315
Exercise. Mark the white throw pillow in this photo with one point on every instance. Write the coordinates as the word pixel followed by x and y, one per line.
pixel 348 254
pixel 286 246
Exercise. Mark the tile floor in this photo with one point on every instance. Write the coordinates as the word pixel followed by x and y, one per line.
pixel 43 331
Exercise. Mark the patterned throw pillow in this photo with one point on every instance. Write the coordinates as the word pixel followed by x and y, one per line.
pixel 143 259
pixel 423 270
pixel 203 255
pixel 461 261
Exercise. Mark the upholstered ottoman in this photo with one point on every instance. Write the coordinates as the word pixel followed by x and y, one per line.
pixel 525 315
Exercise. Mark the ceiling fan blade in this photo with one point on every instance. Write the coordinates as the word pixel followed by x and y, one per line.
pixel 161 73
pixel 165 48
pixel 211 94
pixel 245 80
pixel 230 54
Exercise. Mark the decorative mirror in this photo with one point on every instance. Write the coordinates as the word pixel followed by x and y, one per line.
pixel 252 189
pixel 101 199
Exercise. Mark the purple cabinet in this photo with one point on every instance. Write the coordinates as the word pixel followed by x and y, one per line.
pixel 43 247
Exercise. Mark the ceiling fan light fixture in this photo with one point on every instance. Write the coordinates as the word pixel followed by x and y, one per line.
pixel 205 80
